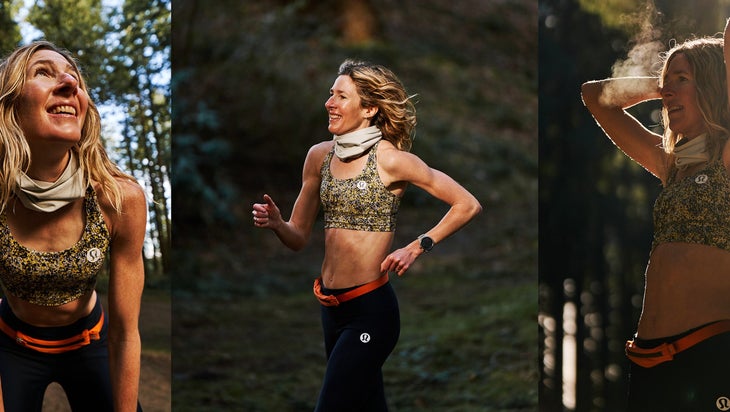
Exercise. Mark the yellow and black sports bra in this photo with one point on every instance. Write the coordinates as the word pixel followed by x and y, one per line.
pixel 695 209
pixel 55 278
pixel 359 203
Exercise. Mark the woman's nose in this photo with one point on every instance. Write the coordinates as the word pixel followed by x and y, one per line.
pixel 666 90
pixel 68 83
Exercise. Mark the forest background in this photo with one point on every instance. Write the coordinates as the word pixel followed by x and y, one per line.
pixel 123 48
pixel 595 204
pixel 249 82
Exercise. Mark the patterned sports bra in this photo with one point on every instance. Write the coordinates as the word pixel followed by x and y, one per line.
pixel 55 278
pixel 695 209
pixel 359 203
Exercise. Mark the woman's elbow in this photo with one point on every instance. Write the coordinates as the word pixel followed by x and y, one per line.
pixel 588 93
pixel 296 247
pixel 474 208
pixel 297 244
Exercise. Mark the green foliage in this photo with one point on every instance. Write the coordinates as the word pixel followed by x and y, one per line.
pixel 9 30
pixel 51 16
pixel 616 14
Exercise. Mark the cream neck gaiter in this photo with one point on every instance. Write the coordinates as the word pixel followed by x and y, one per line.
pixel 51 196
pixel 356 143
pixel 691 152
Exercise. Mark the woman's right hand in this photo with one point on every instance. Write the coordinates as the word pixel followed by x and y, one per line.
pixel 266 214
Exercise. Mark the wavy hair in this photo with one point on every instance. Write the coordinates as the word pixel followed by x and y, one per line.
pixel 15 152
pixel 378 86
pixel 705 57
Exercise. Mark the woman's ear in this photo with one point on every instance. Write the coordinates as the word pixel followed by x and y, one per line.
pixel 370 112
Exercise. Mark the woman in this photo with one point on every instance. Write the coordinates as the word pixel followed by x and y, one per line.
pixel 63 206
pixel 680 354
pixel 359 177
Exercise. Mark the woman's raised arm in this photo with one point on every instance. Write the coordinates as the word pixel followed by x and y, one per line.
pixel 608 99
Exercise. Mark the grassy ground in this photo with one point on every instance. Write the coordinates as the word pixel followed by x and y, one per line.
pixel 467 344
pixel 155 388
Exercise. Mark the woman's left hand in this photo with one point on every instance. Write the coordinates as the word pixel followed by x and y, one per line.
pixel 400 260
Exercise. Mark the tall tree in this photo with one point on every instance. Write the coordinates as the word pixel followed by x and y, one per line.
pixel 143 50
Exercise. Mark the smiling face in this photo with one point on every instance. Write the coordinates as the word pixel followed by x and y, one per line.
pixel 679 97
pixel 52 106
pixel 343 107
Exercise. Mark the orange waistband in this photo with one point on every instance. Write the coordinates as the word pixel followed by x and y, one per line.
pixel 334 300
pixel 666 351
pixel 54 346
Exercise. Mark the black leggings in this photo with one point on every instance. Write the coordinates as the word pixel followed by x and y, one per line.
pixel 83 373
pixel 358 335
pixel 697 379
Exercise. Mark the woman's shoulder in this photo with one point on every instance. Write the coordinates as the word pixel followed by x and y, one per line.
pixel 322 147
pixel 390 156
pixel 318 151
pixel 132 195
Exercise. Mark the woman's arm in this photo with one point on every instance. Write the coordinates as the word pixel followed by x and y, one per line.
pixel 608 99
pixel 399 166
pixel 126 282
pixel 295 232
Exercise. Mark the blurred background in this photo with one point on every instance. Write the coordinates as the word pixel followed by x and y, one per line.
pixel 595 204
pixel 249 83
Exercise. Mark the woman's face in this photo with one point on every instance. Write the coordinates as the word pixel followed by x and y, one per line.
pixel 679 97
pixel 52 106
pixel 343 107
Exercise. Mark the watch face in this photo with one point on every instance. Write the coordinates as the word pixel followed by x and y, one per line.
pixel 426 243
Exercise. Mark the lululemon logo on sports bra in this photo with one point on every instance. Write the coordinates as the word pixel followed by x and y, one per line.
pixel 723 403
pixel 701 179
pixel 361 184
pixel 93 254
pixel 365 338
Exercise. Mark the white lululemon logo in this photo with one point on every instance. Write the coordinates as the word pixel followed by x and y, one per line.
pixel 362 185
pixel 365 338
pixel 93 254
pixel 723 403
pixel 701 179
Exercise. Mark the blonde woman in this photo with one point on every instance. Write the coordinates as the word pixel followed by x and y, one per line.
pixel 679 356
pixel 359 178
pixel 64 207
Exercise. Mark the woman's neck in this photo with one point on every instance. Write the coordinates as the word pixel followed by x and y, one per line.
pixel 49 166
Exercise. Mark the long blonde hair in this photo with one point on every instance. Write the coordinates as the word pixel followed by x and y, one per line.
pixel 14 150
pixel 378 86
pixel 705 57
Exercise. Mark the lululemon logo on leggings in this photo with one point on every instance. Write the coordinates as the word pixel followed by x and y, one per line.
pixel 365 338
pixel 723 403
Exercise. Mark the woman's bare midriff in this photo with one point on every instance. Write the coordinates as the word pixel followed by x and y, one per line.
pixel 687 285
pixel 50 316
pixel 353 257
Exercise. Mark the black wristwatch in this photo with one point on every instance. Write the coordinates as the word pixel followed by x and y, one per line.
pixel 426 243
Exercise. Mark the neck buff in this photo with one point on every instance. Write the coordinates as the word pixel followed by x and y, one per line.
pixel 356 143
pixel 51 196
pixel 691 152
